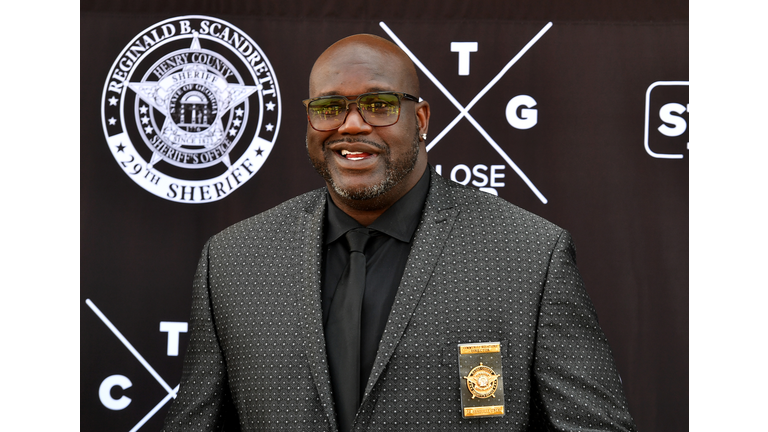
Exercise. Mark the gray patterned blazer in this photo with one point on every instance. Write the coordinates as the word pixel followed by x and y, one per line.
pixel 480 270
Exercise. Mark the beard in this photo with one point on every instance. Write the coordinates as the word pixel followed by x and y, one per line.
pixel 395 170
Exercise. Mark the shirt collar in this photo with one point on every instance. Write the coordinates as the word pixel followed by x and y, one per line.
pixel 399 221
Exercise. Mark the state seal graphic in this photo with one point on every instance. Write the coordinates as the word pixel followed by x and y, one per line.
pixel 191 109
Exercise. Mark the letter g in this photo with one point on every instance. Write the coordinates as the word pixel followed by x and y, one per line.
pixel 528 117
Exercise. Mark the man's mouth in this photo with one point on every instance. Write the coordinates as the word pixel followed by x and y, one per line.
pixel 354 155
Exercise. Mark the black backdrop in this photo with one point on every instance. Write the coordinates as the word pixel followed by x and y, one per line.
pixel 598 76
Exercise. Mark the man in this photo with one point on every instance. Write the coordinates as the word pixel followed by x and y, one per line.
pixel 296 326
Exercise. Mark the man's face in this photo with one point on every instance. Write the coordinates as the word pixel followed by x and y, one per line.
pixel 359 161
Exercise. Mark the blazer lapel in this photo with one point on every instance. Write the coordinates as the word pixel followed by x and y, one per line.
pixel 437 220
pixel 310 245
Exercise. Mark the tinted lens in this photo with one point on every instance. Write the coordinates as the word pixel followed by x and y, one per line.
pixel 380 109
pixel 327 113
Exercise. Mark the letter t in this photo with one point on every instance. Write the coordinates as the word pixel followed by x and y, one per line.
pixel 173 329
pixel 463 48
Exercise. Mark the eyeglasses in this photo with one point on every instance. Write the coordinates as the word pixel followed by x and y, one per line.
pixel 327 113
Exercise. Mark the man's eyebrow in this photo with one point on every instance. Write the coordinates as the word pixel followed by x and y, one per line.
pixel 336 93
pixel 329 93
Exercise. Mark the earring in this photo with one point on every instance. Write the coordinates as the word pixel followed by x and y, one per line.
pixel 424 137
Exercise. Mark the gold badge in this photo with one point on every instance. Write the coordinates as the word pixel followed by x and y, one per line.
pixel 482 382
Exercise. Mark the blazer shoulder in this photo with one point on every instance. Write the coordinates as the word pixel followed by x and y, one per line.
pixel 493 209
pixel 279 218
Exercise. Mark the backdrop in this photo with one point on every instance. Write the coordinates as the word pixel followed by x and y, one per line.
pixel 191 120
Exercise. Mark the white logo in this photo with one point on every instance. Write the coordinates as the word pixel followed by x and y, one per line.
pixel 669 114
pixel 526 119
pixel 191 109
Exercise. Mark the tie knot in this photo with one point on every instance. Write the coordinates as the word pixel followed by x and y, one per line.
pixel 357 238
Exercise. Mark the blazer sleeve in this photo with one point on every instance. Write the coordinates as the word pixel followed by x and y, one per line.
pixel 577 386
pixel 203 401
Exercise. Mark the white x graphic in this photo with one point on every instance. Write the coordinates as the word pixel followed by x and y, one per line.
pixel 464 111
pixel 150 369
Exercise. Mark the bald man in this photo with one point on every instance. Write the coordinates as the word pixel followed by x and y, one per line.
pixel 391 299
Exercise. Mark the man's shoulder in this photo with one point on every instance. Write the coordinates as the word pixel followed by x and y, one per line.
pixel 280 217
pixel 491 209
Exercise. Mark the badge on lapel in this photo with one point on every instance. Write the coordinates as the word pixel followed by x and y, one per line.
pixel 482 388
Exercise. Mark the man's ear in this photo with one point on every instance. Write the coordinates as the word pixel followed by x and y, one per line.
pixel 422 118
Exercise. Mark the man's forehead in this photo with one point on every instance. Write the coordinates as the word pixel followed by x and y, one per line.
pixel 361 43
pixel 364 62
pixel 354 78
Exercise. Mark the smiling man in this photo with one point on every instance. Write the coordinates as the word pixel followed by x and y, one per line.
pixel 367 167
pixel 392 299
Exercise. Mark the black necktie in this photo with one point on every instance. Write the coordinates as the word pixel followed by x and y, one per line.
pixel 342 332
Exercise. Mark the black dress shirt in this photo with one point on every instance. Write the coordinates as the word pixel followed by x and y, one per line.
pixel 386 254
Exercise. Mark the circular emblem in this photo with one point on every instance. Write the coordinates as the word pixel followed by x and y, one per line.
pixel 191 109
pixel 482 382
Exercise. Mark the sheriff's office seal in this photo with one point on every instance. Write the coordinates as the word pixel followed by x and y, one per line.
pixel 191 109
pixel 482 382
pixel 481 386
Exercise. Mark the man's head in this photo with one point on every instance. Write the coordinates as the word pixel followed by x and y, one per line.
pixel 386 161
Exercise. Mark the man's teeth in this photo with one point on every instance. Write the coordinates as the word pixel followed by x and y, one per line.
pixel 347 153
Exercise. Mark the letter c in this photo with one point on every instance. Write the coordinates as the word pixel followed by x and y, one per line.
pixel 528 117
pixel 106 387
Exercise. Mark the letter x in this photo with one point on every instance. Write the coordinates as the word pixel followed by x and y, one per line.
pixel 464 111
pixel 171 392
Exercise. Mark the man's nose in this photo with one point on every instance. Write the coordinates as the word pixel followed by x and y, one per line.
pixel 354 123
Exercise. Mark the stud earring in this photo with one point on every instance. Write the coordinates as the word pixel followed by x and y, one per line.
pixel 423 137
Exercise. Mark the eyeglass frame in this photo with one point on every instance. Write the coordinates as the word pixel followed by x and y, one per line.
pixel 349 100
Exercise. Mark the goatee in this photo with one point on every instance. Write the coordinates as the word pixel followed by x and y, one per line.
pixel 394 170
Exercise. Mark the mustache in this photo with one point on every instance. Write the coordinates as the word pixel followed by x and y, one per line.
pixel 355 140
